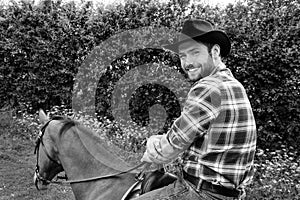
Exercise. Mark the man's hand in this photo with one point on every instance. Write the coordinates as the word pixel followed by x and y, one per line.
pixel 159 150
pixel 152 148
pixel 146 158
pixel 152 145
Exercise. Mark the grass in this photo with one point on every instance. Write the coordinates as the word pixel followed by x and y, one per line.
pixel 277 175
pixel 17 164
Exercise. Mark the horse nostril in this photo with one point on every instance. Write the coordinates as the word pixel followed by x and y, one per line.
pixel 43 186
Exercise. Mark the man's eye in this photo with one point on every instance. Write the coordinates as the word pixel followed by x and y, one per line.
pixel 196 52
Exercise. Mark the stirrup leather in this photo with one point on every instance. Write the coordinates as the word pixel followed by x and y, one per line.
pixel 151 181
pixel 157 179
pixel 133 191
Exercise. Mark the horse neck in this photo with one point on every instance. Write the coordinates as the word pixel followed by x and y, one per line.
pixel 80 148
pixel 83 156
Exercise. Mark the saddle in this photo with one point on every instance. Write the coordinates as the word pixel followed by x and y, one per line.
pixel 152 181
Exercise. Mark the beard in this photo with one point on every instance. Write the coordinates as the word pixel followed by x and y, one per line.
pixel 195 76
pixel 194 72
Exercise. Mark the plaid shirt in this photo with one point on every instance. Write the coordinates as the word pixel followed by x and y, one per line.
pixel 216 131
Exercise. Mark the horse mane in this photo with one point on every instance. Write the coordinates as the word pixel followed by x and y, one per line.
pixel 114 161
pixel 107 156
pixel 67 123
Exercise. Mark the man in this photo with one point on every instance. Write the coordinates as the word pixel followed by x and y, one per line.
pixel 216 132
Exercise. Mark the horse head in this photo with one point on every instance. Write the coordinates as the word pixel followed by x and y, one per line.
pixel 47 162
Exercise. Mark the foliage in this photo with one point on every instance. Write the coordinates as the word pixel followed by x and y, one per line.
pixel 264 59
pixel 42 49
pixel 43 46
pixel 277 175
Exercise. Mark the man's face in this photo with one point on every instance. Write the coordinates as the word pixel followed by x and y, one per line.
pixel 195 60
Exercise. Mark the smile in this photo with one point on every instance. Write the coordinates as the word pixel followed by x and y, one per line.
pixel 192 70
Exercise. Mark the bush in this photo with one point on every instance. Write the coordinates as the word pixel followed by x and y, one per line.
pixel 277 175
pixel 43 47
pixel 265 45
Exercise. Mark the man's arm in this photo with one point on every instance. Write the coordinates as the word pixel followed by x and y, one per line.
pixel 202 106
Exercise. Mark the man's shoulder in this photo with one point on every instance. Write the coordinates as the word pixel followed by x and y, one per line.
pixel 218 81
pixel 210 81
pixel 223 78
pixel 209 84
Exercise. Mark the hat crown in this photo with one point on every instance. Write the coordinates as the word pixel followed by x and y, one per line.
pixel 193 28
pixel 202 31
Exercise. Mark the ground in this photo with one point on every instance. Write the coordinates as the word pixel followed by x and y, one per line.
pixel 17 164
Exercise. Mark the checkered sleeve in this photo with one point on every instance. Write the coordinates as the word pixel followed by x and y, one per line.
pixel 201 107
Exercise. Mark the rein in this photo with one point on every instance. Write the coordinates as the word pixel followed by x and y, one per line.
pixel 103 177
pixel 40 178
pixel 89 179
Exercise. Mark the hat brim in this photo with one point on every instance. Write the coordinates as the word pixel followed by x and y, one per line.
pixel 213 37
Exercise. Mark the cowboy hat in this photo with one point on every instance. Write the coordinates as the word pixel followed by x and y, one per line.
pixel 202 31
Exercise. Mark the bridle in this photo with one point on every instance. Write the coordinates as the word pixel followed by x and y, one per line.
pixel 39 142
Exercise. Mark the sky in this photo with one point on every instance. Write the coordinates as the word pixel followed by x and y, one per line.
pixel 211 2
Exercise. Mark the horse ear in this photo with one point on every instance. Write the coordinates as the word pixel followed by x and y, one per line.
pixel 43 117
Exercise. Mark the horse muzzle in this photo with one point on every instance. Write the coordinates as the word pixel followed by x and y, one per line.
pixel 39 182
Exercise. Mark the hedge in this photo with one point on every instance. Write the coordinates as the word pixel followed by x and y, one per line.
pixel 42 48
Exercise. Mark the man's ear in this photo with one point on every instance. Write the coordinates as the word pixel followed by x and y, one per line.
pixel 43 118
pixel 215 51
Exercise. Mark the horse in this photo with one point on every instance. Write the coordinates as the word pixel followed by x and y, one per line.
pixel 93 172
